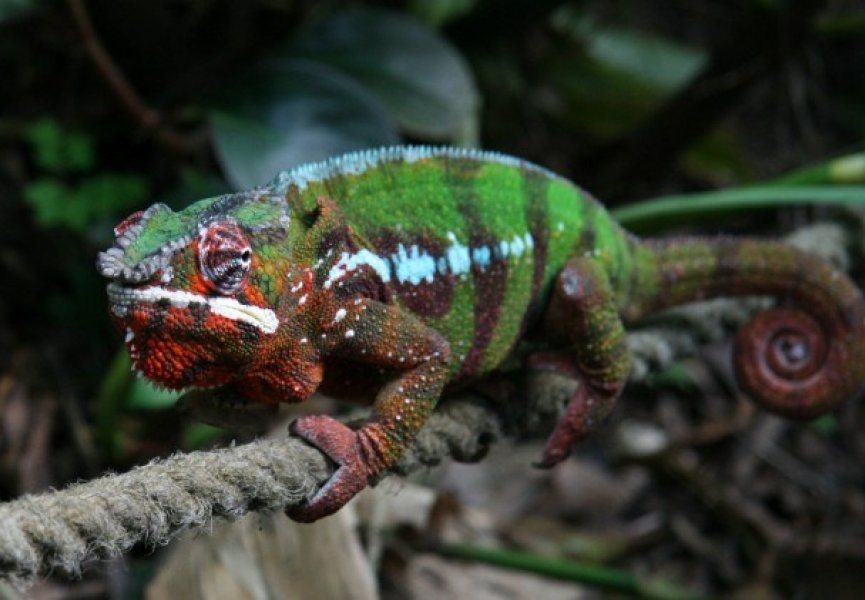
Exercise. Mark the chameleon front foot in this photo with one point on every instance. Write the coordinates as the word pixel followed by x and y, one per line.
pixel 340 443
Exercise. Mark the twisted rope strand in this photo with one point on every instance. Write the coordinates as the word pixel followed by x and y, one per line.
pixel 105 517
pixel 100 519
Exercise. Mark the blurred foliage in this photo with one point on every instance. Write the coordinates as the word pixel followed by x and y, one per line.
pixel 349 81
pixel 80 204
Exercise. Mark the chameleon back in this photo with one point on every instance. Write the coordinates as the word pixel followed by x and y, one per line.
pixel 467 240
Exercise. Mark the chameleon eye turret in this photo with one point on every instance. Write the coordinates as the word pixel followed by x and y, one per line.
pixel 224 256
pixel 389 274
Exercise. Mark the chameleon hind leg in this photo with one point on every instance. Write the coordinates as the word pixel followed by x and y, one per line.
pixel 583 317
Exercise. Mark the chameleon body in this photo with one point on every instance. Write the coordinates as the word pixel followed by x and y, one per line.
pixel 398 272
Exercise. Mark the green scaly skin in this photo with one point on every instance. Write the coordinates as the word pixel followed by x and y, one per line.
pixel 392 274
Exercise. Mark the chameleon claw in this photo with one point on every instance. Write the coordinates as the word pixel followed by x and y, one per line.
pixel 340 444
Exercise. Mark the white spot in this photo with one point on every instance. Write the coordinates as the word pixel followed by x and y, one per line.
pixel 457 256
pixel 560 226
pixel 302 300
pixel 413 266
pixel 303 340
pixel 517 246
pixel 339 316
pixel 504 248
pixel 129 335
pixel 481 256
pixel 296 288
pixel 350 333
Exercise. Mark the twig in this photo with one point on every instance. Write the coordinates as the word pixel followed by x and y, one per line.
pixel 145 115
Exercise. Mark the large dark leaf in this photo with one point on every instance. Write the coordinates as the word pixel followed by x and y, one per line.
pixel 420 77
pixel 287 113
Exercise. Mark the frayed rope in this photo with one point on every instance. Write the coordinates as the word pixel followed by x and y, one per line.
pixel 60 531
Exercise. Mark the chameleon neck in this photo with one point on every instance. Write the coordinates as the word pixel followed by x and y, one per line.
pixel 800 359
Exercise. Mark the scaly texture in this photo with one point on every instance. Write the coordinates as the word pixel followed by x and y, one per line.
pixel 390 275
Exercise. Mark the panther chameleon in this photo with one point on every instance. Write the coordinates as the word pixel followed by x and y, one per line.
pixel 400 273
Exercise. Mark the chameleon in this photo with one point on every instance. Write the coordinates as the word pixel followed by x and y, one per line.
pixel 395 275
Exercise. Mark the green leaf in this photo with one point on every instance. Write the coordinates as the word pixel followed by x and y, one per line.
pixel 440 12
pixel 10 9
pixel 102 195
pixel 197 435
pixel 291 113
pixel 109 193
pixel 146 397
pixel 668 211
pixel 47 196
pixel 422 80
pixel 58 150
pixel 612 78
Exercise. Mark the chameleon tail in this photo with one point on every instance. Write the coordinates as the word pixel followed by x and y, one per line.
pixel 799 359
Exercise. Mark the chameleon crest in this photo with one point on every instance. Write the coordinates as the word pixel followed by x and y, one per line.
pixel 388 275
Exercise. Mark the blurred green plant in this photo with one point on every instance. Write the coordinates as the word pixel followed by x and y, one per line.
pixel 352 80
pixel 440 12
pixel 70 192
pixel 10 9
pixel 613 78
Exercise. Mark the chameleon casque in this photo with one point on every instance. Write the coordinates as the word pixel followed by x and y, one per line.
pixel 399 272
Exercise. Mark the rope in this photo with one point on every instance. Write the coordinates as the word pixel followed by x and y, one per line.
pixel 62 530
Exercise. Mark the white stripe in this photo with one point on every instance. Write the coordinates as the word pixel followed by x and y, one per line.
pixel 349 262
pixel 262 318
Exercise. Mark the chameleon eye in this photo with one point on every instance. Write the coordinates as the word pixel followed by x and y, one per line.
pixel 224 256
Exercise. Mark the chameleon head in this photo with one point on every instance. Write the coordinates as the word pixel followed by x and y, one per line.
pixel 191 290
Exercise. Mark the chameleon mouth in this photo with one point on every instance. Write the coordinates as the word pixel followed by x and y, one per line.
pixel 122 298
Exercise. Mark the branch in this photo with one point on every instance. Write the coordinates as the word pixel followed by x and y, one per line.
pixel 146 116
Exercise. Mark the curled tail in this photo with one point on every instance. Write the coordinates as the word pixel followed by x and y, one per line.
pixel 799 359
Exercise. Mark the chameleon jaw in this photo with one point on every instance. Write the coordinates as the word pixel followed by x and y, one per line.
pixel 122 298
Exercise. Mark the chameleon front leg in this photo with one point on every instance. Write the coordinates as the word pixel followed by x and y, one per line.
pixel 387 337
pixel 582 315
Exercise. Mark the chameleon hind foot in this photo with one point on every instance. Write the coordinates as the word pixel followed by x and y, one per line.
pixel 583 318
